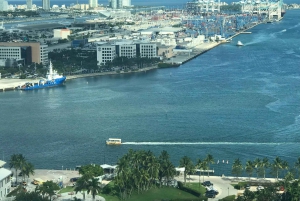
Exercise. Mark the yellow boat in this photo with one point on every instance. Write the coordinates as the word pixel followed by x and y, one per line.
pixel 113 141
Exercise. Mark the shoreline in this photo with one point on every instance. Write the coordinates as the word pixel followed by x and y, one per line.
pixel 13 84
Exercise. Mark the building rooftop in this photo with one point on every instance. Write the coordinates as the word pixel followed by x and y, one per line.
pixel 2 163
pixel 4 173
pixel 42 26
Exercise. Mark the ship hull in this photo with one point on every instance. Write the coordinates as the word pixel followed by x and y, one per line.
pixel 47 84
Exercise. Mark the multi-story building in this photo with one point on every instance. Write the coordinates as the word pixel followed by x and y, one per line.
pixel 105 53
pixel 5 180
pixel 39 52
pixel 126 49
pixel 11 54
pixel 29 4
pixel 108 51
pixel 126 3
pixel 146 50
pixel 93 3
pixel 116 4
pixel 3 5
pixel 46 4
pixel 61 33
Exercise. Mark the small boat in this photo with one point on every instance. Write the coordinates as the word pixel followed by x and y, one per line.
pixel 239 43
pixel 113 141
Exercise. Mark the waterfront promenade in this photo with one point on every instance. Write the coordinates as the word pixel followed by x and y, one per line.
pixel 221 183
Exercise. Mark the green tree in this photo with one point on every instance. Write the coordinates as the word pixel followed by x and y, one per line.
pixel 93 187
pixel 166 169
pixel 297 166
pixel 92 169
pixel 82 184
pixel 209 160
pixel 48 188
pixel 237 167
pixel 277 166
pixel 27 170
pixel 187 163
pixel 249 168
pixel 265 164
pixel 17 162
pixel 29 196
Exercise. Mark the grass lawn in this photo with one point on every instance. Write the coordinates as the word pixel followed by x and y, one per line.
pixel 67 189
pixel 195 186
pixel 162 193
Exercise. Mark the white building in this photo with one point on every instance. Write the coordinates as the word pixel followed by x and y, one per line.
pixel 3 5
pixel 126 3
pixel 105 53
pixel 5 181
pixel 146 50
pixel 93 3
pixel 46 4
pixel 29 4
pixel 108 51
pixel 10 53
pixel 61 33
pixel 126 49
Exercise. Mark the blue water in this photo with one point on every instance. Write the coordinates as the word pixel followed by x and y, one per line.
pixel 232 102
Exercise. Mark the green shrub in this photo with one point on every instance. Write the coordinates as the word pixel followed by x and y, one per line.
pixel 188 190
pixel 228 198
pixel 237 186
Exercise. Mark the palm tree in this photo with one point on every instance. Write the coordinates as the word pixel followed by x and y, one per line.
pixel 93 187
pixel 209 160
pixel 17 161
pixel 277 166
pixel 256 164
pixel 264 164
pixel 249 168
pixel 187 163
pixel 297 166
pixel 28 169
pixel 237 167
pixel 82 184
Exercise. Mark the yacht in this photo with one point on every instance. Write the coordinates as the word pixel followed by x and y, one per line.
pixel 239 43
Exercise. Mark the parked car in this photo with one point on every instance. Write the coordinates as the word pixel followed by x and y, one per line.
pixel 213 192
pixel 210 195
pixel 260 188
pixel 247 186
pixel 74 179
pixel 207 183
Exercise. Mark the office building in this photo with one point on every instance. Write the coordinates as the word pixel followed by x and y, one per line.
pixel 3 5
pixel 108 51
pixel 93 3
pixel 39 52
pixel 46 4
pixel 29 4
pixel 126 3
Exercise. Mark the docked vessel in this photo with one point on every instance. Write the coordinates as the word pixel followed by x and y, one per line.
pixel 114 141
pixel 53 79
pixel 239 43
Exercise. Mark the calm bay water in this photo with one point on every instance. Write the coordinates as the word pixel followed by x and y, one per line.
pixel 232 102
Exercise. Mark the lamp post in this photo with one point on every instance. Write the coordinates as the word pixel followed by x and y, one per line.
pixel 228 191
pixel 62 167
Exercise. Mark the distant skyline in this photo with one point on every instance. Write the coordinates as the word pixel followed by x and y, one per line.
pixel 133 2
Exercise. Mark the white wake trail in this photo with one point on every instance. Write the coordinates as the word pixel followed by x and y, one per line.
pixel 210 143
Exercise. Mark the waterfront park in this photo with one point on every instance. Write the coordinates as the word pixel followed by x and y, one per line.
pixel 140 175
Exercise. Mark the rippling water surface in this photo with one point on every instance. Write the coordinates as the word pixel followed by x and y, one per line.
pixel 232 102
